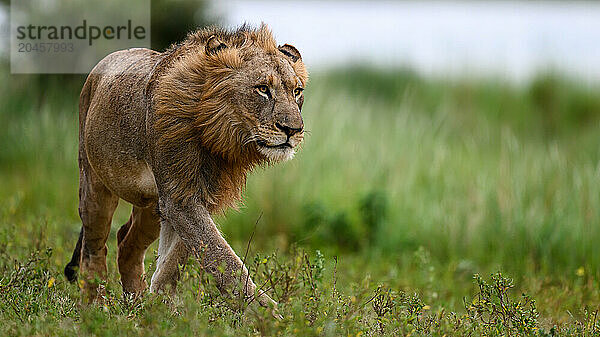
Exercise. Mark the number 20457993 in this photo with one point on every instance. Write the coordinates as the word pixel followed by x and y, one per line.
pixel 45 47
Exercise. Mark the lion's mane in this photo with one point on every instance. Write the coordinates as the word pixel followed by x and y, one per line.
pixel 192 96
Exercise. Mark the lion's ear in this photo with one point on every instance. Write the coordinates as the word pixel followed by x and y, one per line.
pixel 213 45
pixel 291 52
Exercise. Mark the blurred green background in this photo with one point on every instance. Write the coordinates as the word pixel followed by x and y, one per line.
pixel 481 170
pixel 483 174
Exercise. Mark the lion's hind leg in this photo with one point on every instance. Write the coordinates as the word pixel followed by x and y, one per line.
pixel 134 238
pixel 96 207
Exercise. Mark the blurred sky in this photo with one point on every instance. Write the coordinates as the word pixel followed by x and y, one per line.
pixel 510 39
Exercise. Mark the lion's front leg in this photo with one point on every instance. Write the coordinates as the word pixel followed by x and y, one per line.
pixel 172 253
pixel 187 230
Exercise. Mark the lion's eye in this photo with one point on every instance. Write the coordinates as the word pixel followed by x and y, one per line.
pixel 263 90
pixel 298 91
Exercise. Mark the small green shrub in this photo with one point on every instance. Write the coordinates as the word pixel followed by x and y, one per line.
pixel 498 315
pixel 373 208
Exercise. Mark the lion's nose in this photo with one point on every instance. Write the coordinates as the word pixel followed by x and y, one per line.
pixel 289 131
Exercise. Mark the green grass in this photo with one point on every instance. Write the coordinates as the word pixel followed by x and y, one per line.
pixel 414 185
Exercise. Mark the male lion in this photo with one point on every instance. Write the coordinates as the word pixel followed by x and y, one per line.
pixel 175 134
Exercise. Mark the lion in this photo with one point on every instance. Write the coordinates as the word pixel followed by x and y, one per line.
pixel 175 134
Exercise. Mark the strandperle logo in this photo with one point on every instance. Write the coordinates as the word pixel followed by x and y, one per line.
pixel 81 32
pixel 71 36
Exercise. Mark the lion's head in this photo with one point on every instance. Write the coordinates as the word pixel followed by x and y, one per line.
pixel 238 93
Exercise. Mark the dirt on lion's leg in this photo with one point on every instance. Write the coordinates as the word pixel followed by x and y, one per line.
pixel 134 238
pixel 96 207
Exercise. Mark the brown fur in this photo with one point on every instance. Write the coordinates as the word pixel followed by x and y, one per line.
pixel 175 134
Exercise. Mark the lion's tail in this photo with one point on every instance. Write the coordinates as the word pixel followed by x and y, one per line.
pixel 84 104
pixel 73 265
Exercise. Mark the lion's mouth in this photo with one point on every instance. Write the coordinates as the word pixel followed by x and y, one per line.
pixel 285 145
pixel 279 152
pixel 280 146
